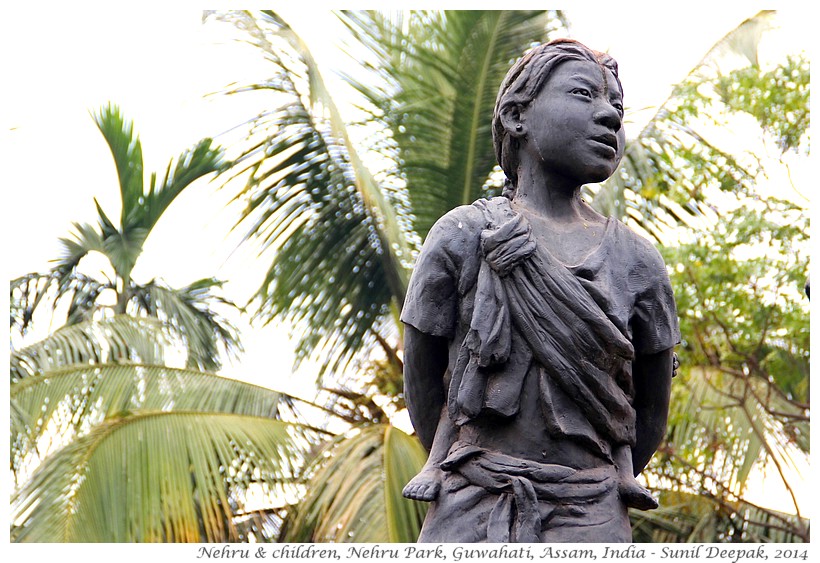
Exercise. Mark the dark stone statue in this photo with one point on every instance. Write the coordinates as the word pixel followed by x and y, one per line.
pixel 539 333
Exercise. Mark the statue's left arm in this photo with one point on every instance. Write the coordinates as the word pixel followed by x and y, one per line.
pixel 652 376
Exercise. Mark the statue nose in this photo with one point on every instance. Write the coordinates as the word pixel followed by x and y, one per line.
pixel 608 116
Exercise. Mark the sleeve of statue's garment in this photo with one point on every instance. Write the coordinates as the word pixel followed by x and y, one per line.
pixel 431 305
pixel 654 318
pixel 445 272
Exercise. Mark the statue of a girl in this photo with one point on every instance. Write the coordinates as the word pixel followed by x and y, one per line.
pixel 539 333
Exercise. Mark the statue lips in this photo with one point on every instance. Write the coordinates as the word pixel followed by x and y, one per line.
pixel 606 143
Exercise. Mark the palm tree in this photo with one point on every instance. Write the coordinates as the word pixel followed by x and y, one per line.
pixel 310 195
pixel 188 313
pixel 138 452
pixel 345 221
pixel 109 443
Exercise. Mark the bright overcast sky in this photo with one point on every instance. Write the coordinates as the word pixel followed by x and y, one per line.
pixel 62 62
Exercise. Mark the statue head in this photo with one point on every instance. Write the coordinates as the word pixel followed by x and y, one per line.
pixel 522 85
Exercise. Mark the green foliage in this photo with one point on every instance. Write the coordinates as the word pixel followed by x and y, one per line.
pixel 738 291
pixel 305 200
pixel 353 493
pixel 695 518
pixel 310 198
pixel 432 90
pixel 741 399
pixel 143 452
pixel 110 444
pixel 119 339
pixel 778 99
pixel 188 312
pixel 154 476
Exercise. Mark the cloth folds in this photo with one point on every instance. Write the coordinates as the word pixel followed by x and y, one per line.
pixel 526 299
pixel 529 494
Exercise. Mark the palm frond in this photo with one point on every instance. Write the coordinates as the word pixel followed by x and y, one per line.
pixel 29 293
pixel 191 314
pixel 742 41
pixel 58 405
pixel 305 203
pixel 396 250
pixel 354 494
pixel 192 164
pixel 141 208
pixel 113 340
pixel 176 477
pixel 127 152
pixel 84 239
pixel 738 421
pixel 703 518
pixel 433 88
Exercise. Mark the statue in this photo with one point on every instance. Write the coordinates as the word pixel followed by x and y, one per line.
pixel 539 333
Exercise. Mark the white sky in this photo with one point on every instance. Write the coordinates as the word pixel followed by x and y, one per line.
pixel 156 64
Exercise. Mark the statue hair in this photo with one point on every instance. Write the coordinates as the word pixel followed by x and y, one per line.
pixel 523 83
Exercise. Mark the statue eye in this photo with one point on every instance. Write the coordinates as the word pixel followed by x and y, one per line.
pixel 619 107
pixel 582 92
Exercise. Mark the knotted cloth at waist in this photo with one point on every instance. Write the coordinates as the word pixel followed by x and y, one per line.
pixel 530 493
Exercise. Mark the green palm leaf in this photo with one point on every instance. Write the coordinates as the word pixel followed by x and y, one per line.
pixel 354 494
pixel 168 473
pixel 191 314
pixel 142 208
pixel 58 405
pixel 28 293
pixel 734 423
pixel 434 89
pixel 306 201
pixel 191 165
pixel 115 340
pixel 706 518
pixel 127 152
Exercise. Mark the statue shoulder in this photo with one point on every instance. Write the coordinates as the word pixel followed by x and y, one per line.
pixel 459 229
pixel 639 251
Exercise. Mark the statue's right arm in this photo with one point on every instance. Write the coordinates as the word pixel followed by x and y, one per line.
pixel 425 362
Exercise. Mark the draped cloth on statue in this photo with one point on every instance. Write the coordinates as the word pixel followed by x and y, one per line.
pixel 538 379
pixel 527 300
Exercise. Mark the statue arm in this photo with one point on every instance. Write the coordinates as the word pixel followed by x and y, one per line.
pixel 425 362
pixel 652 374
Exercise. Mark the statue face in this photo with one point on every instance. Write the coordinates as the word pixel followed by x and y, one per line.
pixel 575 124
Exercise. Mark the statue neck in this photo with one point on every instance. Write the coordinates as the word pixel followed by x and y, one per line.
pixel 549 196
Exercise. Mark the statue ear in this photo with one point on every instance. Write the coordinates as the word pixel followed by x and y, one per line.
pixel 512 118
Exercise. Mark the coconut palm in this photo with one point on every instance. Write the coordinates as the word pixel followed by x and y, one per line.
pixel 330 206
pixel 190 313
pixel 142 452
pixel 109 452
